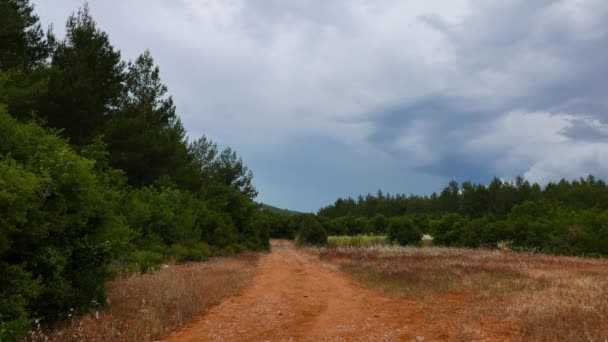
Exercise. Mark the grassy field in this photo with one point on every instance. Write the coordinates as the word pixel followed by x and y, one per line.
pixel 540 297
pixel 145 307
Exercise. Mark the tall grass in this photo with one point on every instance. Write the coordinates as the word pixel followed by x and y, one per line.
pixel 574 307
pixel 356 241
pixel 144 307
pixel 546 298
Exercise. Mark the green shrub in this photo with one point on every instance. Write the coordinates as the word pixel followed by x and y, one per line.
pixel 58 228
pixel 146 261
pixel 311 232
pixel 403 231
pixel 199 252
pixel 17 290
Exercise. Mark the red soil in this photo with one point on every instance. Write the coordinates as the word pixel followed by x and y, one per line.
pixel 294 297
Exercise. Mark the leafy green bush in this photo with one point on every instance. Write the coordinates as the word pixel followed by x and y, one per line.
pixel 57 226
pixel 311 232
pixel 199 252
pixel 403 231
pixel 145 261
pixel 232 249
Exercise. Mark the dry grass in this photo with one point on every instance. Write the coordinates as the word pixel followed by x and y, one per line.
pixel 146 307
pixel 573 308
pixel 546 298
pixel 337 241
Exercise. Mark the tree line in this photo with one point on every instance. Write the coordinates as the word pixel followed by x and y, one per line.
pixel 97 175
pixel 565 217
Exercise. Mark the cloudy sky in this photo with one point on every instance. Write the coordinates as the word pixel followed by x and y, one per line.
pixel 328 98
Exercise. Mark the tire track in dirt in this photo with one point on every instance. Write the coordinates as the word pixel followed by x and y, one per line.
pixel 294 297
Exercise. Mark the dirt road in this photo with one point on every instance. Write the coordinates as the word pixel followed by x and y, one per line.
pixel 296 298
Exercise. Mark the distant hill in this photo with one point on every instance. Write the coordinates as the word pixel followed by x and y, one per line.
pixel 279 211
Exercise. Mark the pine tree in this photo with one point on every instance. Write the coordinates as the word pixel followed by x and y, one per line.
pixel 146 138
pixel 224 167
pixel 22 41
pixel 86 81
pixel 24 52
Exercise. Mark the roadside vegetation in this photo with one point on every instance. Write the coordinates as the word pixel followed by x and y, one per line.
pixel 538 297
pixel 97 175
pixel 146 307
pixel 310 232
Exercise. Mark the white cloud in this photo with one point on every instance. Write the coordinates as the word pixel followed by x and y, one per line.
pixel 268 64
pixel 538 145
pixel 416 142
pixel 290 67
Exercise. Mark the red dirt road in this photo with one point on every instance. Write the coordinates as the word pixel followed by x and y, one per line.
pixel 296 298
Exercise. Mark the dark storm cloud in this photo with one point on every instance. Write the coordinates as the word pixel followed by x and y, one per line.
pixel 582 130
pixel 524 57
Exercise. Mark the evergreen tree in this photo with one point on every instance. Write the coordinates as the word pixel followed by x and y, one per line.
pixel 224 167
pixel 24 51
pixel 145 137
pixel 22 41
pixel 233 172
pixel 86 81
pixel 450 198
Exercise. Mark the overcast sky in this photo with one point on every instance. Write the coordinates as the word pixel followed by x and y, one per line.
pixel 327 98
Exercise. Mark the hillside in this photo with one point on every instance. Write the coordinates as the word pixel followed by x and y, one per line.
pixel 279 211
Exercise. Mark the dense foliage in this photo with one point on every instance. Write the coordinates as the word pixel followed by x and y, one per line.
pixel 567 217
pixel 58 225
pixel 311 232
pixel 97 175
pixel 403 231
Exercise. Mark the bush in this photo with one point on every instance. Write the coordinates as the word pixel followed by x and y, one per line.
pixel 145 261
pixel 311 232
pixel 231 249
pixel 403 231
pixel 199 252
pixel 58 228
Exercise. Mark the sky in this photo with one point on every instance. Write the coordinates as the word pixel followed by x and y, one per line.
pixel 335 98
